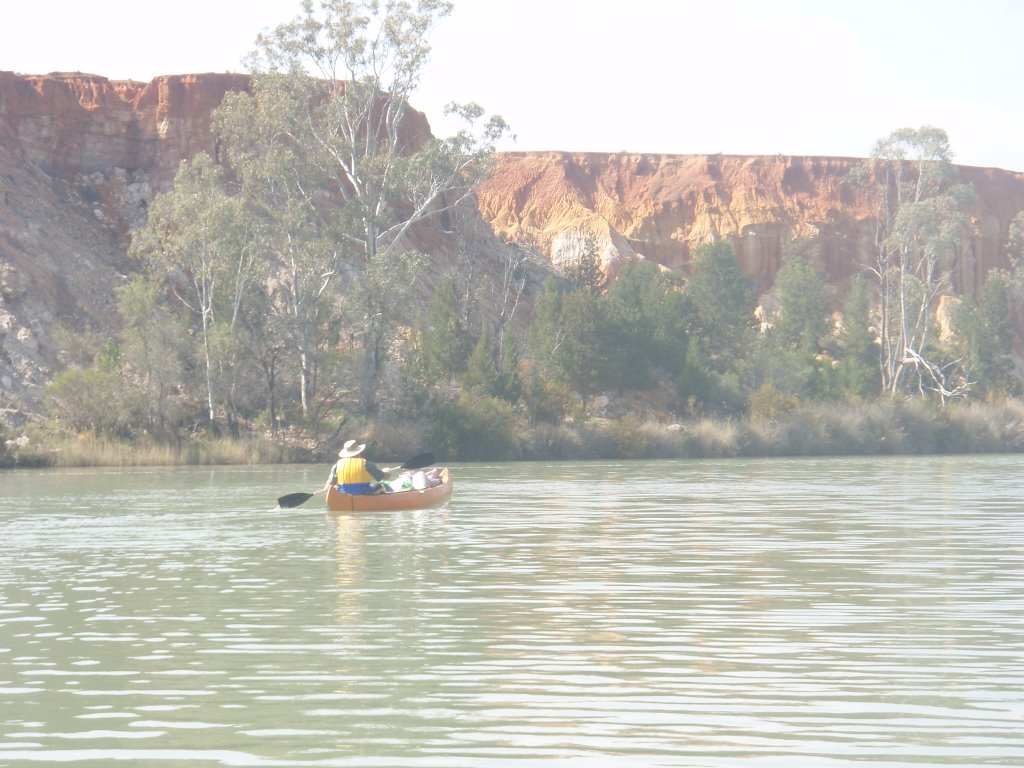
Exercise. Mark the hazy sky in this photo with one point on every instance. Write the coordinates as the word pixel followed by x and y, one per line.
pixel 657 76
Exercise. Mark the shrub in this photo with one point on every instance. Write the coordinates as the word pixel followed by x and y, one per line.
pixel 547 400
pixel 711 438
pixel 476 429
pixel 766 402
pixel 6 454
pixel 553 442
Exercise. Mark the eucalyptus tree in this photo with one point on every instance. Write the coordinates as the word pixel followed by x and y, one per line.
pixel 335 83
pixel 153 339
pixel 199 240
pixel 264 141
pixel 920 228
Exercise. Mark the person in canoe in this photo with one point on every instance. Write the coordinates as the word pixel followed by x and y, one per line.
pixel 355 474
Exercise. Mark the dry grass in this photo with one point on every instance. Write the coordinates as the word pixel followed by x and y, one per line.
pixel 814 429
pixel 85 452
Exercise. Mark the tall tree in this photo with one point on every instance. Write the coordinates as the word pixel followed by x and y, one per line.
pixel 805 302
pixel 546 335
pixel 984 324
pixel 376 173
pixel 723 306
pixel 858 372
pixel 648 315
pixel 264 141
pixel 196 236
pixel 362 60
pixel 152 344
pixel 447 339
pixel 328 173
pixel 920 229
pixel 801 325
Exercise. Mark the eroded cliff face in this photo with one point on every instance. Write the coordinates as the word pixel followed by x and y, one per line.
pixel 660 207
pixel 81 157
pixel 75 123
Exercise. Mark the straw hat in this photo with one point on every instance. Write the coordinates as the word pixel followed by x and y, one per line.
pixel 350 449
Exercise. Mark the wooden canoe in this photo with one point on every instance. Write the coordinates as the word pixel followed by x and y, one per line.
pixel 396 500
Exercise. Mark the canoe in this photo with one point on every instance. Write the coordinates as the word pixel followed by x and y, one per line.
pixel 388 502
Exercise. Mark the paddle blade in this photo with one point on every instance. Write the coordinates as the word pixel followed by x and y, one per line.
pixel 418 462
pixel 293 500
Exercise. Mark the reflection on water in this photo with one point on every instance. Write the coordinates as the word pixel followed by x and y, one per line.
pixel 776 613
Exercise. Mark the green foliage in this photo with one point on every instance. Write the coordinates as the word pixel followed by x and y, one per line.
pixel 197 237
pixel 984 327
pixel 290 256
pixel 546 334
pixel 510 385
pixel 482 378
pixel 6 454
pixel 614 340
pixel 766 402
pixel 803 320
pixel 858 375
pixel 547 400
pixel 921 217
pixel 366 60
pixel 648 317
pixel 153 345
pixel 696 383
pixel 379 300
pixel 96 400
pixel 475 428
pixel 447 340
pixel 585 273
pixel 723 306
pixel 583 354
pixel 794 355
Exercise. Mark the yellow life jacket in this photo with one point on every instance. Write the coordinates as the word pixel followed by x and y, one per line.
pixel 352 470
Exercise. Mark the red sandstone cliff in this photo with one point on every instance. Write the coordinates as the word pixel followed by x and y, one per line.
pixel 75 123
pixel 81 156
pixel 662 206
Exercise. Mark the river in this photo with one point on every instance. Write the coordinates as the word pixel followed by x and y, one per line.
pixel 779 613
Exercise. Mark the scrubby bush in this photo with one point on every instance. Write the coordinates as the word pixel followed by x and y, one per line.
pixel 711 438
pixel 552 442
pixel 6 457
pixel 766 402
pixel 476 429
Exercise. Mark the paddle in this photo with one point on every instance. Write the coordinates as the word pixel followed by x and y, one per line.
pixel 416 462
pixel 292 500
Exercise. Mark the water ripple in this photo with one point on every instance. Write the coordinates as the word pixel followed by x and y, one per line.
pixel 782 614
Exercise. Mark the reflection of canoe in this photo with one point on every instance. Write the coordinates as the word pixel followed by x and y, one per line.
pixel 385 502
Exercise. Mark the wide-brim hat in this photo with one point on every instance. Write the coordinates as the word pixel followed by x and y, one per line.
pixel 350 449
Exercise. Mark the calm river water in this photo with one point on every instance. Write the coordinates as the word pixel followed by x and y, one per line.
pixel 777 613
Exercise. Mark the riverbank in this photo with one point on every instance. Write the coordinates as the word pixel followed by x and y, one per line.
pixel 818 429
